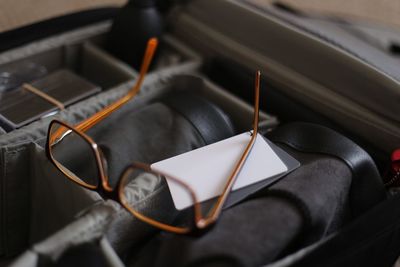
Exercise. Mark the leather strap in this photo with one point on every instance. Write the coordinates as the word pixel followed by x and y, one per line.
pixel 367 187
pixel 43 95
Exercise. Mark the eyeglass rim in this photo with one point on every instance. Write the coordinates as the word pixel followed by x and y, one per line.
pixel 98 156
pixel 167 227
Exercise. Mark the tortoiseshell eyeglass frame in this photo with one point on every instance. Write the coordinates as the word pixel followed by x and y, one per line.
pixel 103 187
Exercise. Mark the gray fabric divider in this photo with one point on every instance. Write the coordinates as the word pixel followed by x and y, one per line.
pixel 98 66
pixel 27 259
pixel 31 258
pixel 78 55
pixel 36 131
pixel 54 200
pixel 56 41
pixel 14 167
pixel 112 258
pixel 14 197
pixel 78 51
pixel 16 162
pixel 89 227
pixel 53 247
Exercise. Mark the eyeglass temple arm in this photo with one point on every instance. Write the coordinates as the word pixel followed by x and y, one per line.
pixel 217 208
pixel 94 119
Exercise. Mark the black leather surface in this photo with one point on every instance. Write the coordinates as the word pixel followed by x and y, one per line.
pixel 367 188
pixel 210 121
pixel 371 240
pixel 303 207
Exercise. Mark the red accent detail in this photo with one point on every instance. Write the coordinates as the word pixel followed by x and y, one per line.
pixel 396 160
pixel 392 176
pixel 396 155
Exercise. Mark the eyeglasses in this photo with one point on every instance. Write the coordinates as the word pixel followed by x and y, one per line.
pixel 140 190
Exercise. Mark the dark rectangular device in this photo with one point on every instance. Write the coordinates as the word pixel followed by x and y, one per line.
pixel 21 106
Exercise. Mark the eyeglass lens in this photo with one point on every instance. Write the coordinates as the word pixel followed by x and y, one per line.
pixel 73 155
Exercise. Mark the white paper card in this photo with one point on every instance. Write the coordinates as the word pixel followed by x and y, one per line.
pixel 207 169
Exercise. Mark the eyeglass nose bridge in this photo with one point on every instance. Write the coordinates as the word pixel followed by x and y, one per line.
pixel 104 171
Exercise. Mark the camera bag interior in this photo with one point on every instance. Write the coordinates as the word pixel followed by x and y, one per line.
pixel 35 218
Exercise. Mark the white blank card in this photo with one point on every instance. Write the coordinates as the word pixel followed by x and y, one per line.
pixel 207 169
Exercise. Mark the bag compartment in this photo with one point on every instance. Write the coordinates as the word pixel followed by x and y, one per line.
pixel 45 210
pixel 82 51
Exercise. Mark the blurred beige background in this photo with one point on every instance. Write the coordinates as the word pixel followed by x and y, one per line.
pixel 383 11
pixel 16 13
pixel 22 12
